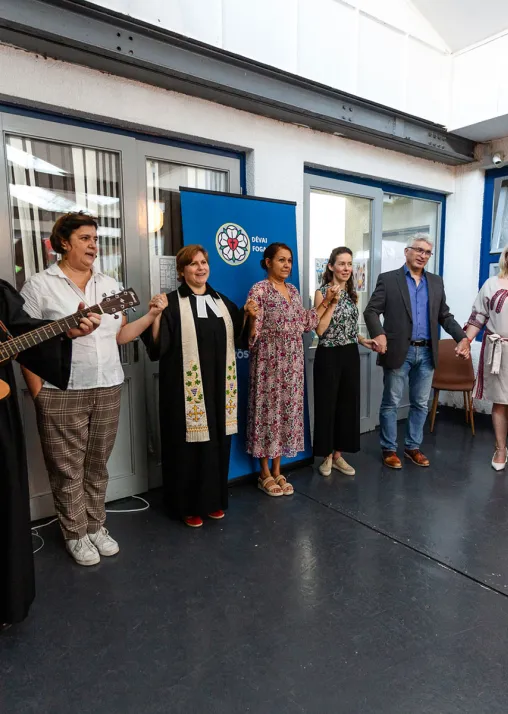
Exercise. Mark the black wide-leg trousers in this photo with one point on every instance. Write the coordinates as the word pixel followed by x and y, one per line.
pixel 336 400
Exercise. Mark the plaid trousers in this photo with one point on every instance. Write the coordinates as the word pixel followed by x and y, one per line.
pixel 78 430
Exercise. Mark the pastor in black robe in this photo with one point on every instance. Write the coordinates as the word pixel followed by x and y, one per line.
pixel 51 360
pixel 195 474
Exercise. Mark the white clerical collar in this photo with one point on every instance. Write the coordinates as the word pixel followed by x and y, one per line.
pixel 202 301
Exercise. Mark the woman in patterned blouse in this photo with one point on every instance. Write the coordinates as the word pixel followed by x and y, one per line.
pixel 276 388
pixel 337 368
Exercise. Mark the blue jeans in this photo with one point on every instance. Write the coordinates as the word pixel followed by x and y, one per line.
pixel 418 370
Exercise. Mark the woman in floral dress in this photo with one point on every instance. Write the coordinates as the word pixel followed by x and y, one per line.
pixel 276 391
pixel 337 368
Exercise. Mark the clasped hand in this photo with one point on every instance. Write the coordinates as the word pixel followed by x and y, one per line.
pixel 157 304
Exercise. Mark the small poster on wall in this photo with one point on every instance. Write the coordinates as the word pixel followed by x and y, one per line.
pixel 493 269
pixel 360 275
pixel 320 267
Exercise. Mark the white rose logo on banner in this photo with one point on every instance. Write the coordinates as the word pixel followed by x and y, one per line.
pixel 233 244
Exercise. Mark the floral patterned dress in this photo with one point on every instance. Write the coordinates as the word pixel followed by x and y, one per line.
pixel 276 389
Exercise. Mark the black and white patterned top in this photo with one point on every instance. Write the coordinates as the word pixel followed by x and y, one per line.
pixel 343 327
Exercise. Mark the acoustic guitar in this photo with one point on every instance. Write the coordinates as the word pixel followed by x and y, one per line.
pixel 114 304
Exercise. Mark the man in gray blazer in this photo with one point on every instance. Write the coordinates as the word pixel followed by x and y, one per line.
pixel 413 304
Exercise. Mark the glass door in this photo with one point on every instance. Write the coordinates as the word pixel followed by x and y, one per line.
pixel 50 169
pixel 162 170
pixel 338 213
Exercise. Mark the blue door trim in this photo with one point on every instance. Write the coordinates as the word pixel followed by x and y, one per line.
pixel 101 126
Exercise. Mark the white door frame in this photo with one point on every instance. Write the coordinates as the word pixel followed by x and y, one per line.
pixel 311 182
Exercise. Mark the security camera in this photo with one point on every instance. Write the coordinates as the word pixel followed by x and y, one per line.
pixel 497 159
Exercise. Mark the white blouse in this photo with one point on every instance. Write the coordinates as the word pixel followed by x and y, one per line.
pixel 50 295
pixel 488 308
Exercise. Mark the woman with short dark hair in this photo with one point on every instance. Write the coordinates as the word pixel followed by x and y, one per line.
pixel 275 426
pixel 78 427
pixel 194 341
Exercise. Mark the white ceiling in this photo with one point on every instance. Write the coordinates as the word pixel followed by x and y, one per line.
pixel 462 23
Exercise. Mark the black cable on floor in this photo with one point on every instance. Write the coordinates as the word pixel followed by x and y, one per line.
pixel 395 539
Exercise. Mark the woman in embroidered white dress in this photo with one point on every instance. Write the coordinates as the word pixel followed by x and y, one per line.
pixel 194 340
pixel 490 311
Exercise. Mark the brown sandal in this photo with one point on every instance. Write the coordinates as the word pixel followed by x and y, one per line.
pixel 283 483
pixel 269 486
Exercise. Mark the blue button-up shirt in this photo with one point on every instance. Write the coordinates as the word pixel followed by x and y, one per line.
pixel 419 296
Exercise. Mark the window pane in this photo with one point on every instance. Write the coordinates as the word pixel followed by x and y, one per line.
pixel 340 220
pixel 48 179
pixel 403 217
pixel 500 227
pixel 163 180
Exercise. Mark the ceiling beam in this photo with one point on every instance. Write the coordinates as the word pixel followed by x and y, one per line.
pixel 83 33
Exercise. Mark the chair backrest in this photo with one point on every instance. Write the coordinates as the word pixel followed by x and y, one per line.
pixel 452 373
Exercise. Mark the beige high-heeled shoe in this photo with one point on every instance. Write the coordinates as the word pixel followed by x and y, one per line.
pixel 502 465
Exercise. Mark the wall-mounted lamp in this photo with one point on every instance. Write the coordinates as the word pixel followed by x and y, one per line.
pixel 497 158
pixel 155 217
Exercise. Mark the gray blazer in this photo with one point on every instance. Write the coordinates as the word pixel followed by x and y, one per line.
pixel 391 299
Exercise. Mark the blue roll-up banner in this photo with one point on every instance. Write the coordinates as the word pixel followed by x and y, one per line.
pixel 235 231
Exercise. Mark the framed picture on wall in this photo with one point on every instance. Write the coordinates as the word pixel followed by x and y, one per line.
pixel 493 269
pixel 360 275
pixel 320 267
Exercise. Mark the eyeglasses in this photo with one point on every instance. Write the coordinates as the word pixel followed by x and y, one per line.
pixel 422 251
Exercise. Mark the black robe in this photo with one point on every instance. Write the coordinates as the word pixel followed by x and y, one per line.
pixel 195 475
pixel 51 360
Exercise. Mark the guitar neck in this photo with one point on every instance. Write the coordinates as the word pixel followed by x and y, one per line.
pixel 29 339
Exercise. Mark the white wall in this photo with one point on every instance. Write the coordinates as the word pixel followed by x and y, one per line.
pixel 383 50
pixel 277 152
pixel 480 84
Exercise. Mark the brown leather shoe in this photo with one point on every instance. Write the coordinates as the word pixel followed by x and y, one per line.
pixel 416 457
pixel 391 460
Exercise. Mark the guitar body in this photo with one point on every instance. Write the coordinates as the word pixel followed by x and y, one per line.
pixel 5 390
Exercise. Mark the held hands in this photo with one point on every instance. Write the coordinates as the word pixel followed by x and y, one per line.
pixel 369 344
pixel 251 309
pixel 380 344
pixel 463 349
pixel 157 304
pixel 87 325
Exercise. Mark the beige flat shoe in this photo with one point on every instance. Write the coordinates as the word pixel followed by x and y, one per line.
pixel 325 468
pixel 341 465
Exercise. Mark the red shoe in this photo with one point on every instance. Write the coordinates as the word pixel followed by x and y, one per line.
pixel 193 521
pixel 217 515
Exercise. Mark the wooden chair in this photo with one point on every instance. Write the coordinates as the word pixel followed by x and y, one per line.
pixel 453 375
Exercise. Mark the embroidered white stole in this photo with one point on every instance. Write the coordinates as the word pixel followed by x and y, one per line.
pixel 195 409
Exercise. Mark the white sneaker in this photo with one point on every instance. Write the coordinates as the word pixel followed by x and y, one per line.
pixel 104 543
pixel 326 467
pixel 342 465
pixel 83 551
